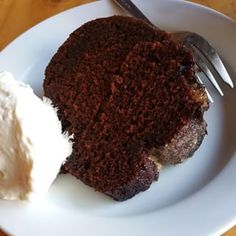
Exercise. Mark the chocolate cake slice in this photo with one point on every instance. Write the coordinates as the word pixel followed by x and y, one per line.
pixel 130 96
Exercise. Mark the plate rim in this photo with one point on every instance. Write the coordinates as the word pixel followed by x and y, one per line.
pixel 98 2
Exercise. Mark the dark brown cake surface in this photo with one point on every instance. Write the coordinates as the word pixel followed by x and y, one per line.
pixel 129 95
pixel 78 77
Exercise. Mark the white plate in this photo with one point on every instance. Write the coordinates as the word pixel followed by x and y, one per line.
pixel 195 198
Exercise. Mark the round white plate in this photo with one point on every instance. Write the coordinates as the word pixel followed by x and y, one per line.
pixel 194 198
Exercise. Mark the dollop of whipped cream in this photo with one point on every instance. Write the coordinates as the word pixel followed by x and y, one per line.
pixel 32 146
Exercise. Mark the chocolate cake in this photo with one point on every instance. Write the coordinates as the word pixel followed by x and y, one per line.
pixel 129 95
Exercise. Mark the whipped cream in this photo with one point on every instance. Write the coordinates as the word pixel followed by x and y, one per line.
pixel 32 147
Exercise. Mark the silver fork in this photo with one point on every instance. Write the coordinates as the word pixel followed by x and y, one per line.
pixel 200 47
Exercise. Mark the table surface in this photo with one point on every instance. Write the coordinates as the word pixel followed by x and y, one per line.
pixel 16 16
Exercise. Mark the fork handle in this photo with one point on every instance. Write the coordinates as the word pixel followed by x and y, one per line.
pixel 132 9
